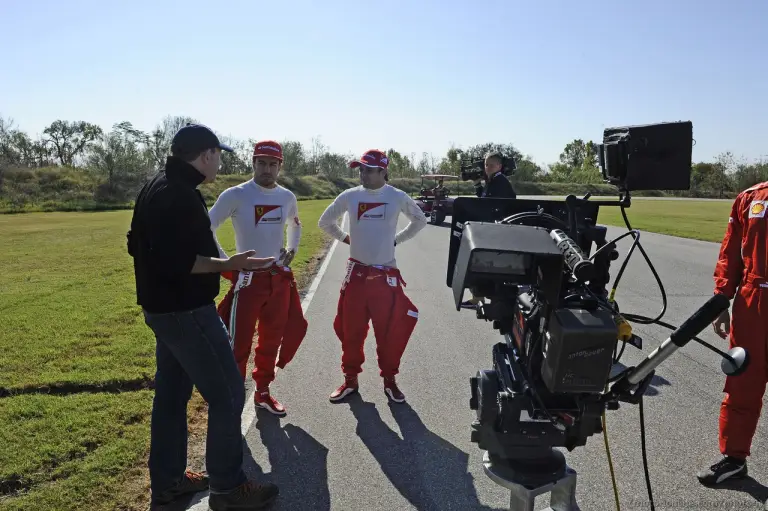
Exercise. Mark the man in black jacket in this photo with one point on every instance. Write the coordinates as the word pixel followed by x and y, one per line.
pixel 496 183
pixel 496 186
pixel 177 270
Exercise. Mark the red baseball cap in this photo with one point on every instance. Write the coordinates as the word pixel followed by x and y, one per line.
pixel 268 148
pixel 372 158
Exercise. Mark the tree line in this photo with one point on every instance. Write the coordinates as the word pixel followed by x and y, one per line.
pixel 123 157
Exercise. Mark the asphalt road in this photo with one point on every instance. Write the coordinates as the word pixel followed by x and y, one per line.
pixel 369 455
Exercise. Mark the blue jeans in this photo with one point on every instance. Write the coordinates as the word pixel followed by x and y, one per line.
pixel 193 349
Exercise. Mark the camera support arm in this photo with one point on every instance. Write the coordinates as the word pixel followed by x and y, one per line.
pixel 641 374
pixel 574 202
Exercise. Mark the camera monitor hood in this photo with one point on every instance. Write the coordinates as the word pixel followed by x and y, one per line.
pixel 475 209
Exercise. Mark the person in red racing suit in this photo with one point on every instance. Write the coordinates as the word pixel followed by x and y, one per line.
pixel 373 287
pixel 741 274
pixel 260 209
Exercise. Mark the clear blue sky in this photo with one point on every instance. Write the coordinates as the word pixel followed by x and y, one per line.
pixel 412 75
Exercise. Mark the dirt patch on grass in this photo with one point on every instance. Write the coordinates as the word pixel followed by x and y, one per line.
pixel 136 485
pixel 197 427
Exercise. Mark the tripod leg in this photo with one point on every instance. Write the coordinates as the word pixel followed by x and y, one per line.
pixel 563 494
pixel 521 501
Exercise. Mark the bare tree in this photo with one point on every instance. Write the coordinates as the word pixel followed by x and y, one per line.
pixel 318 150
pixel 70 139
pixel 159 141
pixel 121 157
pixel 293 157
pixel 238 162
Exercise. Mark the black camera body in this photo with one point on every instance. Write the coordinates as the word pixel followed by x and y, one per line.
pixel 547 297
pixel 472 170
pixel 558 343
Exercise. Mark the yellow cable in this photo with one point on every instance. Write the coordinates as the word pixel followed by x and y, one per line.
pixel 625 334
pixel 610 464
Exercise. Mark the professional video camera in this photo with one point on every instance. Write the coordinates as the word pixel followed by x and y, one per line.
pixel 551 378
pixel 472 170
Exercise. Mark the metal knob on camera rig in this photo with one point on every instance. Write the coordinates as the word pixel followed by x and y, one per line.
pixel 550 379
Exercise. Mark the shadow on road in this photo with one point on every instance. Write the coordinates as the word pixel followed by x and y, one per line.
pixel 656 381
pixel 299 465
pixel 428 471
pixel 749 485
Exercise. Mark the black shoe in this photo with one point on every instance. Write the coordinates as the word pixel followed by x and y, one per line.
pixel 246 497
pixel 727 468
pixel 192 482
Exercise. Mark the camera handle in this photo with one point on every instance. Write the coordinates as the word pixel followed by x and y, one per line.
pixel 734 362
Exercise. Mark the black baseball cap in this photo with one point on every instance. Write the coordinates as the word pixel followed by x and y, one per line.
pixel 196 138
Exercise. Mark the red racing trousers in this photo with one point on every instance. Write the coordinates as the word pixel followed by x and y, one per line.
pixel 375 294
pixel 740 410
pixel 271 298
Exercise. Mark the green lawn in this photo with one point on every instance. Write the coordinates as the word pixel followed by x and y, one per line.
pixel 77 358
pixel 702 220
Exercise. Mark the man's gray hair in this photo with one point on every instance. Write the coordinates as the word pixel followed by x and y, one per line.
pixel 496 155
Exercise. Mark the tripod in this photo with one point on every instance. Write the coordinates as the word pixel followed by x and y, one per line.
pixel 541 471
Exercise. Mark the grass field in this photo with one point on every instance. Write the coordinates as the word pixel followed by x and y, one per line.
pixel 77 359
pixel 702 220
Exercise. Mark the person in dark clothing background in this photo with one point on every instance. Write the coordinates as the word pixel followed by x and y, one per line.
pixel 178 270
pixel 496 183
pixel 496 186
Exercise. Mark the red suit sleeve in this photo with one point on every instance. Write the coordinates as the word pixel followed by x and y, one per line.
pixel 730 265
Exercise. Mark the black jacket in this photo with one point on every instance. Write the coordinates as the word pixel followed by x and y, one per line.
pixel 169 229
pixel 496 186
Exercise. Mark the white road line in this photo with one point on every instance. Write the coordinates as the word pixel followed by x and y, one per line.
pixel 200 501
pixel 316 282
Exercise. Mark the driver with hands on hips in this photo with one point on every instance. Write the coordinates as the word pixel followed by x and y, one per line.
pixel 260 209
pixel 741 274
pixel 373 287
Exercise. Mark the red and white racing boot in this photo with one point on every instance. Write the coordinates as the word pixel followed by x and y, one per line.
pixel 392 391
pixel 349 386
pixel 263 399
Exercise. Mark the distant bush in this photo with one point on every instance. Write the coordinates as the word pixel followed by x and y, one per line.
pixel 68 189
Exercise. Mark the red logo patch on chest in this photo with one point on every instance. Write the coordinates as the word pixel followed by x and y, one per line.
pixel 267 214
pixel 371 210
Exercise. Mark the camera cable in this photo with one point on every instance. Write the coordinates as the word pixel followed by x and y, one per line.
pixel 640 320
pixel 636 235
pixel 613 307
pixel 610 459
pixel 637 318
